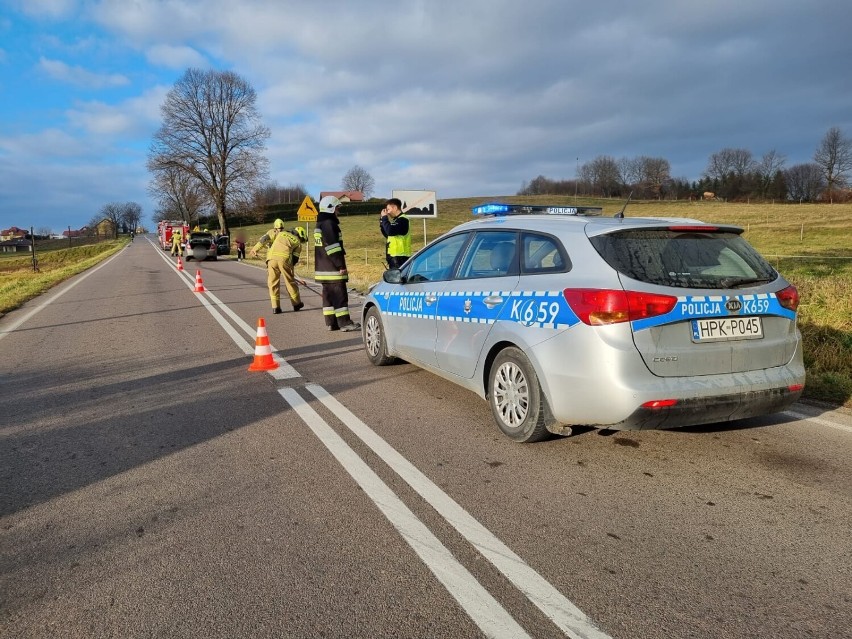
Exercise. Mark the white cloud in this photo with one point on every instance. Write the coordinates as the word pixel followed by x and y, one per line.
pixel 47 8
pixel 175 57
pixel 133 118
pixel 79 76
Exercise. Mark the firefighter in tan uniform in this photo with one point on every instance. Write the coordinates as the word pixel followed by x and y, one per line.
pixel 177 243
pixel 283 249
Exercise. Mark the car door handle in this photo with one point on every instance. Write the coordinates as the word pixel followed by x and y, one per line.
pixel 431 299
pixel 492 300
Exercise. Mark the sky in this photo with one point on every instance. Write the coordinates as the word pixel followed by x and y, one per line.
pixel 468 98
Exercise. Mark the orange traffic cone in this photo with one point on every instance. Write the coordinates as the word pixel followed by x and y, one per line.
pixel 262 350
pixel 180 264
pixel 199 285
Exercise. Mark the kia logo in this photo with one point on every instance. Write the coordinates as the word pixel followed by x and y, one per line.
pixel 733 305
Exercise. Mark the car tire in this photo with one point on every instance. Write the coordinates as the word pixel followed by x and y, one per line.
pixel 374 339
pixel 517 401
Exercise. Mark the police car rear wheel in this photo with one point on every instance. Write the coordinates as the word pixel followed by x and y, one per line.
pixel 516 399
pixel 374 339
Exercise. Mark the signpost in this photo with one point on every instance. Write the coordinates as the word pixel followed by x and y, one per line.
pixel 308 213
pixel 422 204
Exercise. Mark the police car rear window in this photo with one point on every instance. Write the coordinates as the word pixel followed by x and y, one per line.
pixel 684 259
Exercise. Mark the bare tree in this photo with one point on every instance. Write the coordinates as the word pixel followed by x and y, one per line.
pixel 656 175
pixel 767 169
pixel 131 215
pixel 179 195
pixel 358 179
pixel 602 174
pixel 834 158
pixel 113 213
pixel 804 182
pixel 729 162
pixel 211 131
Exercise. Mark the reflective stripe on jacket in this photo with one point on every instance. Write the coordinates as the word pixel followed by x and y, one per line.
pixel 329 254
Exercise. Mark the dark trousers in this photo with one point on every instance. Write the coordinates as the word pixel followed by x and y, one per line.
pixel 335 305
pixel 397 261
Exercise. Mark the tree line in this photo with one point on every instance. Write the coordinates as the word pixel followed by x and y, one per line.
pixel 731 174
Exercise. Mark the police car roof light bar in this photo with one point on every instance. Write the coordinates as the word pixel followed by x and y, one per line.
pixel 500 209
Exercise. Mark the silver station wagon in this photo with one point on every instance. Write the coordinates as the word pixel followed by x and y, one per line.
pixel 559 317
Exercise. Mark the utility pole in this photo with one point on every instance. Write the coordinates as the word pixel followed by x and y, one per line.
pixel 32 242
pixel 577 177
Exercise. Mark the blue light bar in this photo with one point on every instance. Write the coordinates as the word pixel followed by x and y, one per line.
pixel 496 208
pixel 490 209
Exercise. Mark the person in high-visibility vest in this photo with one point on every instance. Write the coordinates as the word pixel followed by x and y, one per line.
pixel 397 231
pixel 283 249
pixel 177 243
pixel 330 267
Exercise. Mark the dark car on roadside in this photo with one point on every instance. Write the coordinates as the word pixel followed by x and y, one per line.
pixel 223 245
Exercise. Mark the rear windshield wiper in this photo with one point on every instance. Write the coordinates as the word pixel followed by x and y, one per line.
pixel 732 282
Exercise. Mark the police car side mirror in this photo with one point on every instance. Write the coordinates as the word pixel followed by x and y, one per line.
pixel 392 276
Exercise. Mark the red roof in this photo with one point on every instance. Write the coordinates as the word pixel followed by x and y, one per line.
pixel 352 196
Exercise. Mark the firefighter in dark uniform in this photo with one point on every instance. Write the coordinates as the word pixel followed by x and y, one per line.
pixel 397 231
pixel 330 267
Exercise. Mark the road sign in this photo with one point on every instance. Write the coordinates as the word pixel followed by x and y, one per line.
pixel 418 203
pixel 308 211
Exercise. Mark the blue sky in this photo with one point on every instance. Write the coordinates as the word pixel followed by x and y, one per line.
pixel 465 98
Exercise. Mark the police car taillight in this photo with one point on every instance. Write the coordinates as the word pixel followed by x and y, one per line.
pixel 788 298
pixel 598 307
pixel 660 403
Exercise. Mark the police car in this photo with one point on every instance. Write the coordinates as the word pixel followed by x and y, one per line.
pixel 559 317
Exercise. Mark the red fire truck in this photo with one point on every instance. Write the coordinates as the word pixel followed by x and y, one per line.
pixel 165 229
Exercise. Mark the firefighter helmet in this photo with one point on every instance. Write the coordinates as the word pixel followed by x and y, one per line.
pixel 279 224
pixel 301 233
pixel 328 204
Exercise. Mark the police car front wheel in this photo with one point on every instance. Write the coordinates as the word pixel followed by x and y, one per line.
pixel 517 402
pixel 374 339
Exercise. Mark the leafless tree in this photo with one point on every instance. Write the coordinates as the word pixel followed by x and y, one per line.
pixel 729 162
pixel 834 158
pixel 358 179
pixel 179 195
pixel 656 175
pixel 602 174
pixel 804 182
pixel 112 212
pixel 272 193
pixel 767 169
pixel 131 216
pixel 211 131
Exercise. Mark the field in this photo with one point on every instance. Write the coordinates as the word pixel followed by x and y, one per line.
pixel 810 244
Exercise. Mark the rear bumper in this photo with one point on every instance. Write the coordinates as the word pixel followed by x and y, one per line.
pixel 707 410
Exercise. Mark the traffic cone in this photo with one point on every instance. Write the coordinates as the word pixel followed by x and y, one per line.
pixel 262 350
pixel 180 264
pixel 199 285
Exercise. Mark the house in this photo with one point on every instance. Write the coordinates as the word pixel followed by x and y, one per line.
pixel 83 232
pixel 344 196
pixel 105 228
pixel 13 232
pixel 17 245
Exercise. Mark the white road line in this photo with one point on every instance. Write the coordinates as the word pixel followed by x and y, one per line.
pixel 14 325
pixel 817 420
pixel 570 619
pixel 284 370
pixel 480 606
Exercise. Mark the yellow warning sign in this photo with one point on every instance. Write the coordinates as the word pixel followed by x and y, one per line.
pixel 307 212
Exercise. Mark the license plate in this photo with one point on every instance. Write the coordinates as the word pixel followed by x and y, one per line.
pixel 720 329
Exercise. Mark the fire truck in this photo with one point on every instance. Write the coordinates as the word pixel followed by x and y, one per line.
pixel 165 229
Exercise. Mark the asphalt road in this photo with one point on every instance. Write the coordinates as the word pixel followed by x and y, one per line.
pixel 151 486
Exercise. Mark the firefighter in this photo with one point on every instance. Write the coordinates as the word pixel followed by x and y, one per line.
pixel 397 231
pixel 330 265
pixel 177 243
pixel 283 249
